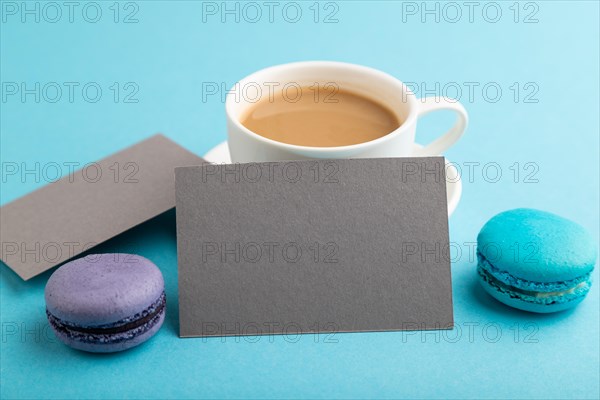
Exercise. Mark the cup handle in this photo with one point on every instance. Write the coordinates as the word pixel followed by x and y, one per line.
pixel 444 142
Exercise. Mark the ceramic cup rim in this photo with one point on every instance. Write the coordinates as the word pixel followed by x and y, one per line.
pixel 403 91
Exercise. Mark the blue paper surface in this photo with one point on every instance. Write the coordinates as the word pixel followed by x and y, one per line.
pixel 527 76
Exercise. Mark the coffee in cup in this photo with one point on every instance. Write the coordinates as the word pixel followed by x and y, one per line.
pixel 321 115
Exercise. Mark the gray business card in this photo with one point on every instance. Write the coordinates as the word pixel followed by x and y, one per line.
pixel 313 246
pixel 90 205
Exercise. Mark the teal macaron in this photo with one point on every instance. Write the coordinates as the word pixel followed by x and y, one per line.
pixel 535 260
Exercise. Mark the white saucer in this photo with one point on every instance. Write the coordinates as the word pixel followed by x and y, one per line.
pixel 220 155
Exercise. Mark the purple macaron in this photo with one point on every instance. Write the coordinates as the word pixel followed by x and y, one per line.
pixel 106 302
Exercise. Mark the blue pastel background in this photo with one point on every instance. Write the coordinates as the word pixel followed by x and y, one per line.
pixel 173 50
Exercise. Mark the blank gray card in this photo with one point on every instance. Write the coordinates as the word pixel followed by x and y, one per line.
pixel 313 246
pixel 90 205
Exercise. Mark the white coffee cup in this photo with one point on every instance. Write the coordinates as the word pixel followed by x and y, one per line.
pixel 247 146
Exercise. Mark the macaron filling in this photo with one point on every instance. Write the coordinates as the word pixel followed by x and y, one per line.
pixel 121 330
pixel 490 279
pixel 534 292
pixel 511 280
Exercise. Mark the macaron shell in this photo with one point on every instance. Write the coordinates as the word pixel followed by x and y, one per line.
pixel 98 290
pixel 537 246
